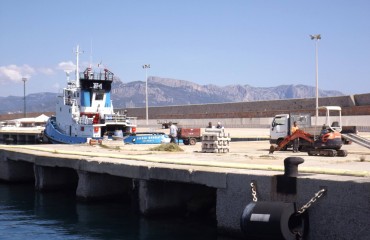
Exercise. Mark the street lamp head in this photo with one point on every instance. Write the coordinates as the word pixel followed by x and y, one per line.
pixel 146 66
pixel 315 36
pixel 24 79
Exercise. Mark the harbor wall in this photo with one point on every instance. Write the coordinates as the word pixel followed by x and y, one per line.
pixel 342 213
pixel 355 112
pixel 361 122
pixel 351 105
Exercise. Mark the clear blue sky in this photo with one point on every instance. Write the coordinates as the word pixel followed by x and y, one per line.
pixel 262 43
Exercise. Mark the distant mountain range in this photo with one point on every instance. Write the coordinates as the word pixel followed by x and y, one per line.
pixel 166 91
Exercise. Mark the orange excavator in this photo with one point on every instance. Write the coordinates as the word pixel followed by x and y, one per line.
pixel 328 143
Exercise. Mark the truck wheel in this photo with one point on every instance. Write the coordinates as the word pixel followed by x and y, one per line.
pixel 186 141
pixel 192 141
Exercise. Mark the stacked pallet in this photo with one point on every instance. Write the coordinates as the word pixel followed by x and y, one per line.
pixel 215 141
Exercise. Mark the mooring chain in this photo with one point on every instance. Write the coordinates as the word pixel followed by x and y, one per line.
pixel 312 200
pixel 254 192
pixel 298 235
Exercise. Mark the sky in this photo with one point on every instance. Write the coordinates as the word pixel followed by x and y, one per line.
pixel 261 43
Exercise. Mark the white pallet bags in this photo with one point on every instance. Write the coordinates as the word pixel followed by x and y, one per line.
pixel 215 141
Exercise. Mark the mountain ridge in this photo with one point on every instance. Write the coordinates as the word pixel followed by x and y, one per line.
pixel 168 91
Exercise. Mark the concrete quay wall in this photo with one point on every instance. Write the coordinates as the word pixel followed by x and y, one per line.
pixel 342 213
pixel 353 105
pixel 361 122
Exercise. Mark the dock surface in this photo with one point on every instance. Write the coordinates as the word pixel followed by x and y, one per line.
pixel 243 155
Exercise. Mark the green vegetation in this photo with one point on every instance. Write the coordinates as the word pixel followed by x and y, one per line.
pixel 168 147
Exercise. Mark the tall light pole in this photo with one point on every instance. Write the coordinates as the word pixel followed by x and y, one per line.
pixel 146 66
pixel 24 96
pixel 316 37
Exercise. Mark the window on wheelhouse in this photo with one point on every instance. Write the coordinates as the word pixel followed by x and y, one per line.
pixel 99 96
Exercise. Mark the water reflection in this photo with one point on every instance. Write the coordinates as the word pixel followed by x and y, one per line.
pixel 26 214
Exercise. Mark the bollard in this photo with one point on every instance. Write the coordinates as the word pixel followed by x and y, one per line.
pixel 276 220
pixel 291 166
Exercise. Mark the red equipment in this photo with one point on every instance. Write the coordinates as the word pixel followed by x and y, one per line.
pixel 189 135
pixel 327 144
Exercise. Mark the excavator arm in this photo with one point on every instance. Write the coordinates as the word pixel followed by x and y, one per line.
pixel 297 134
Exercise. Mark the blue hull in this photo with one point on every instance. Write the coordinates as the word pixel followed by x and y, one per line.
pixel 147 138
pixel 55 136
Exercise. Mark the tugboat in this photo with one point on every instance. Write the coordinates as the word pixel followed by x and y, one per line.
pixel 84 111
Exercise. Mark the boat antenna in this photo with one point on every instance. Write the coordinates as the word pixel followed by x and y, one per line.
pixel 77 64
pixel 91 51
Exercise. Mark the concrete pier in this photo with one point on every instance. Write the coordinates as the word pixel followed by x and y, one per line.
pixel 217 185
pixel 99 186
pixel 54 178
pixel 16 171
pixel 21 136
pixel 163 197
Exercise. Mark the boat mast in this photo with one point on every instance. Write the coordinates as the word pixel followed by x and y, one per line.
pixel 77 70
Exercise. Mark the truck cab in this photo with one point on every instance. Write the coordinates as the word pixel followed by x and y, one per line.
pixel 282 123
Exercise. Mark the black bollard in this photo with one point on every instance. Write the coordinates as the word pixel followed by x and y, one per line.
pixel 291 166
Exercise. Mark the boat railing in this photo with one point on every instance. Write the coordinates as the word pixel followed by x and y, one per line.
pixel 104 76
pixel 85 120
pixel 109 118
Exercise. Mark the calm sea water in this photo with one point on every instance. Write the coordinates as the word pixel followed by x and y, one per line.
pixel 26 214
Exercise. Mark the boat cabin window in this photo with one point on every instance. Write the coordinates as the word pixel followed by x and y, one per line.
pixel 99 96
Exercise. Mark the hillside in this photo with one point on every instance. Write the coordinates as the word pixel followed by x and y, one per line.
pixel 166 91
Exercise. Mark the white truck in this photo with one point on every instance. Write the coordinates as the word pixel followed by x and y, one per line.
pixel 282 123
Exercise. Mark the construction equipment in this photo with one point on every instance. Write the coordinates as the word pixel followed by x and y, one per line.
pixel 189 135
pixel 328 143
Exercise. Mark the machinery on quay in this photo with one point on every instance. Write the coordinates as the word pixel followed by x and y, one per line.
pixel 327 143
pixel 189 136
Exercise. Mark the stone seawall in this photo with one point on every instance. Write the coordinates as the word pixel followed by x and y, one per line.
pixel 351 105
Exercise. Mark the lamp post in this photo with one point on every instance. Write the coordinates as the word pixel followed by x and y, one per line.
pixel 146 66
pixel 24 96
pixel 316 37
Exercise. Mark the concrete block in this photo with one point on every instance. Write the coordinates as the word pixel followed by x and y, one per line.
pixel 54 178
pixel 16 171
pixel 210 179
pixel 175 175
pixel 102 186
pixel 127 170
pixel 343 212
pixel 173 198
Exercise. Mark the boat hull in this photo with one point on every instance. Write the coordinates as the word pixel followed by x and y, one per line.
pixel 147 138
pixel 55 136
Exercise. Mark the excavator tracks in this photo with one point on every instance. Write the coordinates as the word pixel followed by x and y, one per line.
pixel 327 152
